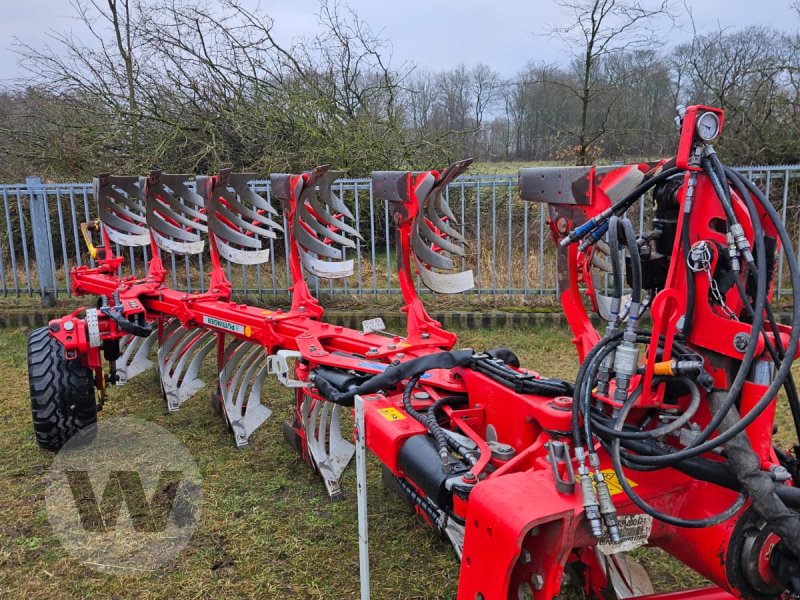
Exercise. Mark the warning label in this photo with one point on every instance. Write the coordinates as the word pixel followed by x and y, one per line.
pixel 634 531
pixel 391 414
pixel 614 486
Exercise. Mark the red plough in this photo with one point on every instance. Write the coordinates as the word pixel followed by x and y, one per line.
pixel 665 438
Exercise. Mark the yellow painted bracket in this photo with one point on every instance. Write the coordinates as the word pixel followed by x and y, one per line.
pixel 86 228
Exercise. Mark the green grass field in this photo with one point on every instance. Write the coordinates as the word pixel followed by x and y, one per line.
pixel 267 528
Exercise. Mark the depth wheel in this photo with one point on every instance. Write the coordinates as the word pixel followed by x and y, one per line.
pixel 62 393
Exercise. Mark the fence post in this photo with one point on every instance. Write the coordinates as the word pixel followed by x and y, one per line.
pixel 42 241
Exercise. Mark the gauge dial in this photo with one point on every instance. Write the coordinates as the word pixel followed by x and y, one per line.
pixel 708 126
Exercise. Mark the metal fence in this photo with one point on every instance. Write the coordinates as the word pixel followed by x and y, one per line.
pixel 510 251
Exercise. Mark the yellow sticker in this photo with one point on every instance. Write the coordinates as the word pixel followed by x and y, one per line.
pixel 391 414
pixel 248 331
pixel 614 486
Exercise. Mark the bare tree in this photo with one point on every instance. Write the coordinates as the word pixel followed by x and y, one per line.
pixel 597 30
pixel 485 83
pixel 194 86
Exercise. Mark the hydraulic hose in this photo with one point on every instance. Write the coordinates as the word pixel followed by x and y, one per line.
pixel 580 381
pixel 702 444
pixel 432 423
pixel 393 375
pixel 619 207
pixel 636 264
pixel 711 471
pixel 613 246
pixel 728 513
pixel 686 245
pixel 686 416
pixel 407 406
pixel 721 190
pixel 789 386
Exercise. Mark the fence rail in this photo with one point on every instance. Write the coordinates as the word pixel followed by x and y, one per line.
pixel 509 250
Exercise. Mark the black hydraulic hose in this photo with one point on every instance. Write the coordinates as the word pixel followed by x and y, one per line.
pixel 760 258
pixel 407 406
pixel 758 234
pixel 790 387
pixel 619 207
pixel 731 511
pixel 712 471
pixel 432 423
pixel 613 245
pixel 695 449
pixel 694 404
pixel 623 205
pixel 587 383
pixel 636 262
pixel 579 382
pixel 521 383
pixel 686 245
pixel 702 443
pixel 721 189
pixel 582 396
pixel 393 375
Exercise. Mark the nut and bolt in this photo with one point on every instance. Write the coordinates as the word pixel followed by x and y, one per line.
pixel 426 336
pixel 69 326
pixel 372 351
pixel 741 341
pixel 537 582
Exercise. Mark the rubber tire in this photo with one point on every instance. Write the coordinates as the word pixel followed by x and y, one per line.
pixel 62 393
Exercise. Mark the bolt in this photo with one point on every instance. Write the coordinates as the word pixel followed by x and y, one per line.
pixel 562 402
pixel 422 396
pixel 69 326
pixel 562 225
pixel 312 347
pixel 372 351
pixel 537 582
pixel 525 557
pixel 740 341
pixel 392 346
pixel 426 336
pixel 301 309
pixel 470 477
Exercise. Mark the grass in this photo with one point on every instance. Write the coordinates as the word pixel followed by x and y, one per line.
pixel 267 528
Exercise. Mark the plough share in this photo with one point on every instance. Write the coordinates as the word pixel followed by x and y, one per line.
pixel 664 439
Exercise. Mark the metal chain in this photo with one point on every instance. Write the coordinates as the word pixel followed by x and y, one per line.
pixel 700 260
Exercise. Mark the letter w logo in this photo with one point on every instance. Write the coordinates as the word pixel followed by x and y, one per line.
pixel 124 486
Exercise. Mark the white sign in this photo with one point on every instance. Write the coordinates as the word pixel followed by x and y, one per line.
pixel 634 531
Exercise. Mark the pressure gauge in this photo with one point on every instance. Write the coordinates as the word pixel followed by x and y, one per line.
pixel 708 126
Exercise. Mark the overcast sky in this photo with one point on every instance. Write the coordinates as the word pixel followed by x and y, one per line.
pixel 429 33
